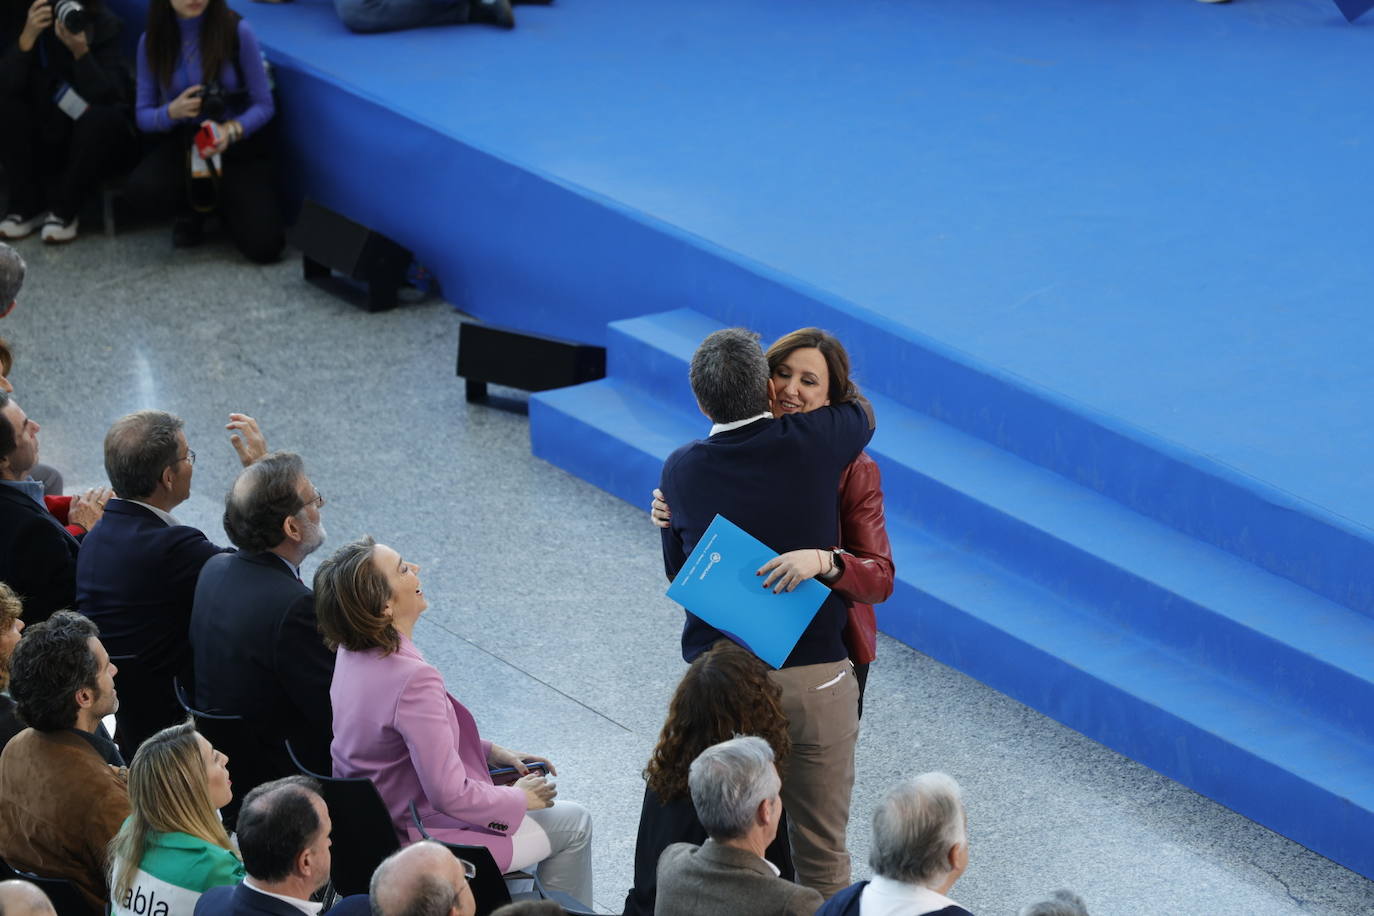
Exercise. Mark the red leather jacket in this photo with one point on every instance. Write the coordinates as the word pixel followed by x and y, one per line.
pixel 866 579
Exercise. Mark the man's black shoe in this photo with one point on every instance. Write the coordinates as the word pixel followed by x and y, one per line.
pixel 495 12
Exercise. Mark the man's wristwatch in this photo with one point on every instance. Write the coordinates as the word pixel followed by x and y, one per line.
pixel 836 565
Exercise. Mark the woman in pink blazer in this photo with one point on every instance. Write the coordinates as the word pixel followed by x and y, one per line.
pixel 396 723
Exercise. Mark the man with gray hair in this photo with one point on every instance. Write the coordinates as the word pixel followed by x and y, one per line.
pixel 11 278
pixel 920 848
pixel 255 641
pixel 777 479
pixel 734 788
pixel 1062 902
pixel 423 879
pixel 136 573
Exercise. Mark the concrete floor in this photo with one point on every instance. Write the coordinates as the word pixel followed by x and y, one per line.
pixel 547 611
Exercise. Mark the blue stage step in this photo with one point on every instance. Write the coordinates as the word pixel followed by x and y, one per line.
pixel 1237 682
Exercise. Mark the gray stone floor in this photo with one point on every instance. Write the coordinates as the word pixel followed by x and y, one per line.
pixel 547 611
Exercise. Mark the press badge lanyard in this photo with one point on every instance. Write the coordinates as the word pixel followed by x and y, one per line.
pixel 67 99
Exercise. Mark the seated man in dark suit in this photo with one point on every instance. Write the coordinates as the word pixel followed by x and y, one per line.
pixel 283 833
pixel 920 848
pixel 136 574
pixel 63 786
pixel 734 787
pixel 257 648
pixel 37 554
pixel 777 479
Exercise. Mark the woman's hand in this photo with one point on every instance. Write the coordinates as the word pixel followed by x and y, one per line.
pixel 659 513
pixel 793 568
pixel 505 757
pixel 539 792
pixel 221 131
pixel 39 18
pixel 186 105
pixel 76 42
pixel 89 507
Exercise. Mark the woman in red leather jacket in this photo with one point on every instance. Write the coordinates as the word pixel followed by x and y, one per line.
pixel 810 369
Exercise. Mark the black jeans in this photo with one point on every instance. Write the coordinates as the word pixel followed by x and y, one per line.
pixel 246 198
pixel 38 143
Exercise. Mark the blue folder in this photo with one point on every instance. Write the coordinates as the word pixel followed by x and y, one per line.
pixel 719 584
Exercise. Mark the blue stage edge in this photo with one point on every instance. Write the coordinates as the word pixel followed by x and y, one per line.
pixel 1110 311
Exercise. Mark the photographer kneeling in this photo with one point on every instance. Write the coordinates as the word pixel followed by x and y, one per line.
pixel 202 82
pixel 64 111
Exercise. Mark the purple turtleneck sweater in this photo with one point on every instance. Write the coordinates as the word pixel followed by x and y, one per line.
pixel 153 98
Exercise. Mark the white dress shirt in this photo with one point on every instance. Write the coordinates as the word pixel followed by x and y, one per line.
pixel 885 897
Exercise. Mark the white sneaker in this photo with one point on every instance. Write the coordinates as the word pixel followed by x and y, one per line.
pixel 15 226
pixel 55 232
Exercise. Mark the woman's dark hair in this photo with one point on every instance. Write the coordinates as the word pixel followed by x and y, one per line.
pixel 51 663
pixel 842 387
pixel 726 692
pixel 219 40
pixel 350 594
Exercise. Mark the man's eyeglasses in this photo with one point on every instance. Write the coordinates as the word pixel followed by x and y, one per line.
pixel 317 502
pixel 469 870
pixel 190 457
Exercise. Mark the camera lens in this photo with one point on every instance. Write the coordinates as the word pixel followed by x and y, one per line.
pixel 71 14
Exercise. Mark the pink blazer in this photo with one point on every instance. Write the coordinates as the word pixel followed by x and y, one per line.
pixel 396 724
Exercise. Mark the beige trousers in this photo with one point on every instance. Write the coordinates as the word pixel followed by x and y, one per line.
pixel 822 707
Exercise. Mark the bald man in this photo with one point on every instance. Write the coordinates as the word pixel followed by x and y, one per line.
pixel 20 898
pixel 424 879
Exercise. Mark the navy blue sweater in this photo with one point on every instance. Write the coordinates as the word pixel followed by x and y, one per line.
pixel 778 480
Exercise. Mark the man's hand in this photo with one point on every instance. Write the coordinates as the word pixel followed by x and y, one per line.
pixel 89 507
pixel 505 757
pixel 186 105
pixel 252 445
pixel 659 513
pixel 40 17
pixel 76 42
pixel 794 567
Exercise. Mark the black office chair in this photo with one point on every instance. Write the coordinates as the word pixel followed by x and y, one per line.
pixel 147 704
pixel 363 834
pixel 66 898
pixel 253 759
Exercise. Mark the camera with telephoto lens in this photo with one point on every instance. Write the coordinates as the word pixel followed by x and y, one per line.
pixel 71 14
pixel 215 100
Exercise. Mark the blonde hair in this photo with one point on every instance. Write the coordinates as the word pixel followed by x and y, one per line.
pixel 169 792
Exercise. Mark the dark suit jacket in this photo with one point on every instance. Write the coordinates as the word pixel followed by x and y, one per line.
pixel 37 556
pixel 716 880
pixel 241 900
pixel 778 480
pixel 258 652
pixel 136 578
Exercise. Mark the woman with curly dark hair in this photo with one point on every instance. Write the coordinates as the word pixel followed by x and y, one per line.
pixel 726 692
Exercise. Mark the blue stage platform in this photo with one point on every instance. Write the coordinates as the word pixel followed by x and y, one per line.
pixel 1102 265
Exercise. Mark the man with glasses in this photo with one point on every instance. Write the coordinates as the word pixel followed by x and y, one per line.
pixel 423 879
pixel 136 573
pixel 255 644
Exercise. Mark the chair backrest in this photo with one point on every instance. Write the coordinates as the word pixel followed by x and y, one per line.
pixel 148 704
pixel 253 760
pixel 66 898
pixel 363 833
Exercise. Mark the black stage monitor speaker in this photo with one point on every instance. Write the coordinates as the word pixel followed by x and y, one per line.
pixel 331 242
pixel 525 361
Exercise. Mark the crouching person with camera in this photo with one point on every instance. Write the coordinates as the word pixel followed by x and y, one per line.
pixel 203 85
pixel 64 112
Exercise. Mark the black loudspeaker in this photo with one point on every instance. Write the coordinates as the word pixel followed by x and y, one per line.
pixel 331 242
pixel 525 361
